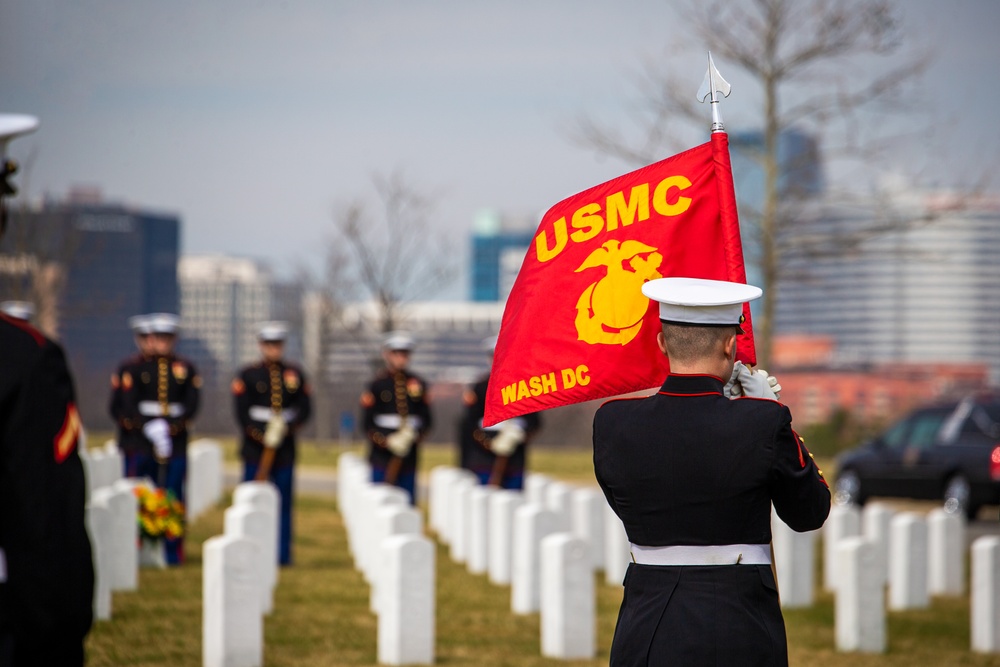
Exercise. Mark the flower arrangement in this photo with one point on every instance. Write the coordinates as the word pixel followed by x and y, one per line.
pixel 160 513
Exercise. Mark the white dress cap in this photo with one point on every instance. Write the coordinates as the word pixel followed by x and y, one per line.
pixel 163 323
pixel 700 302
pixel 19 310
pixel 398 340
pixel 139 324
pixel 275 332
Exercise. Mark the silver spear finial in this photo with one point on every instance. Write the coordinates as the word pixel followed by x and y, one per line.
pixel 713 84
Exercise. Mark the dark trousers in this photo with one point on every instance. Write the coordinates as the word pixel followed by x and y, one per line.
pixel 513 480
pixel 169 476
pixel 404 480
pixel 285 481
pixel 710 616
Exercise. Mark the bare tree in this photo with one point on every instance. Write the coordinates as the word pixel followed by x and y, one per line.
pixel 394 256
pixel 821 65
pixel 386 250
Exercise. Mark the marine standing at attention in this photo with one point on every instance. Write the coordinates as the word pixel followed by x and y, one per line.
pixel 272 400
pixel 396 416
pixel 160 395
pixel 128 432
pixel 496 455
pixel 692 471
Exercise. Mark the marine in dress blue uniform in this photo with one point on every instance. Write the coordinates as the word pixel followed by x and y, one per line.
pixel 692 471
pixel 395 412
pixel 46 568
pixel 128 432
pixel 496 455
pixel 272 401
pixel 160 397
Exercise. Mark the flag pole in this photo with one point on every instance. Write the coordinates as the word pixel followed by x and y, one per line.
pixel 713 88
pixel 716 84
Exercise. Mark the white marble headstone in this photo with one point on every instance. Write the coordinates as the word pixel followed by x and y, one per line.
pixel 124 551
pixel 99 527
pixel 503 503
pixel 458 522
pixel 859 604
pixel 908 562
pixel 945 553
pixel 588 522
pixel 264 496
pixel 535 485
pixel 985 594
pixel 376 496
pixel 232 623
pixel 617 550
pixel 844 521
pixel 568 601
pixel 406 621
pixel 876 519
pixel 532 524
pixel 794 563
pixel 478 529
pixel 558 500
pixel 389 520
pixel 437 499
pixel 255 524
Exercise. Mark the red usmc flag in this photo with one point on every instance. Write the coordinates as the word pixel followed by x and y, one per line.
pixel 576 326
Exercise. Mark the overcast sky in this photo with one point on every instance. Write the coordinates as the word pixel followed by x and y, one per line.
pixel 253 120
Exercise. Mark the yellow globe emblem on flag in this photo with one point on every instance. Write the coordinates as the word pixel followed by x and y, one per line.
pixel 610 311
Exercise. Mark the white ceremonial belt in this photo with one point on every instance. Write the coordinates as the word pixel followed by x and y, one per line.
pixel 722 554
pixel 152 409
pixel 260 413
pixel 389 420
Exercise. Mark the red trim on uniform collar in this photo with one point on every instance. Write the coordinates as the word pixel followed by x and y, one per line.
pixel 26 328
pixel 699 384
pixel 694 375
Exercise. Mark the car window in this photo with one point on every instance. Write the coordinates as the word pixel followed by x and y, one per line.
pixel 925 430
pixel 895 437
pixel 983 420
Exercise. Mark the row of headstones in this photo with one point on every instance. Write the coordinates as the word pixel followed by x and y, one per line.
pixel 112 515
pixel 876 558
pixel 103 466
pixel 239 575
pixel 545 542
pixel 386 541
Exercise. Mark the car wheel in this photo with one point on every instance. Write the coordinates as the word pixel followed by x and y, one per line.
pixel 958 497
pixel 847 490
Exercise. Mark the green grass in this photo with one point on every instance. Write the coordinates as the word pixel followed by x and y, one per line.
pixel 321 612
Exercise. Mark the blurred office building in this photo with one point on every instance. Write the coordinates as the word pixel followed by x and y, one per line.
pixel 87 265
pixel 800 178
pixel 908 277
pixel 499 244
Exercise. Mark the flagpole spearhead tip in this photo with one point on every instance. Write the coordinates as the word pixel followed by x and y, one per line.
pixel 710 88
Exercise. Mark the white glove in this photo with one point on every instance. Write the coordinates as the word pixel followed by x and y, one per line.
pixel 400 442
pixel 506 441
pixel 275 432
pixel 758 384
pixel 158 433
pixel 733 388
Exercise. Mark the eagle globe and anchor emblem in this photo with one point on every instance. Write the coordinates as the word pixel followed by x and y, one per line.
pixel 610 311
